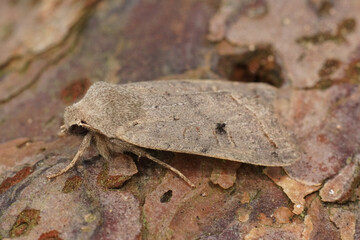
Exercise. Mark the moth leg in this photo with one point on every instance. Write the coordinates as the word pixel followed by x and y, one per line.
pixel 182 176
pixel 83 146
pixel 102 145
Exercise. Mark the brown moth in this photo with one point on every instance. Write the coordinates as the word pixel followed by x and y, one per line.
pixel 220 119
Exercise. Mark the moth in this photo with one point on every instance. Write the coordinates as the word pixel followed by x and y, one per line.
pixel 220 119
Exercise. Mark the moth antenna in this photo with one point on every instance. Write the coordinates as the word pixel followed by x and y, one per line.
pixel 182 176
pixel 83 146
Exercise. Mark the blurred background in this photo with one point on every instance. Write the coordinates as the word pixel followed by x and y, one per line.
pixel 51 51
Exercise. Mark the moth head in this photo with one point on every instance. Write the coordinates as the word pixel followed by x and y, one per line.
pixel 74 122
pixel 103 109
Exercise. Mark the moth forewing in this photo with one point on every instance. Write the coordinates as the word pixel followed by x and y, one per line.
pixel 227 120
pixel 189 123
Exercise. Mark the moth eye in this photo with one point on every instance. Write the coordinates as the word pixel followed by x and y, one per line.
pixel 77 130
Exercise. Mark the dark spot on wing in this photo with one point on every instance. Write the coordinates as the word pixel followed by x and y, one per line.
pixel 204 150
pixel 274 154
pixel 220 128
pixel 135 123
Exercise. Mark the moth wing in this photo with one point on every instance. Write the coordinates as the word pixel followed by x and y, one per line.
pixel 219 124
